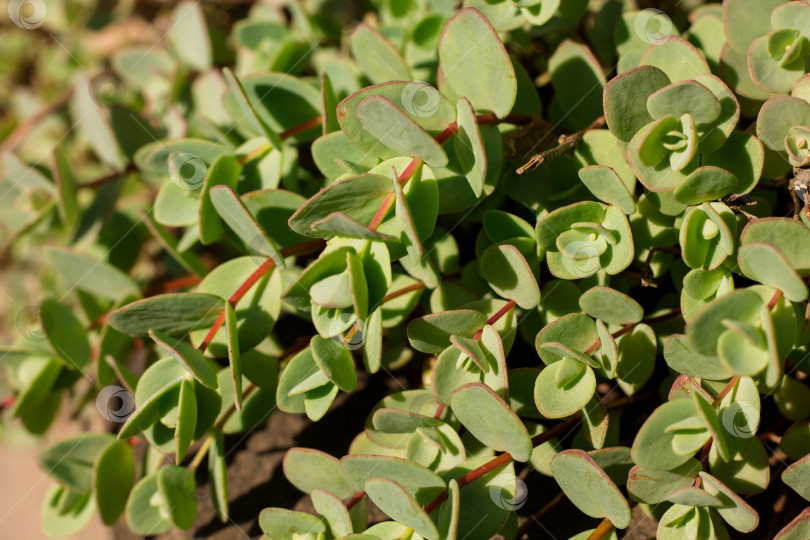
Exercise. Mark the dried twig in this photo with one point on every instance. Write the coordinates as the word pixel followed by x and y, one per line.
pixel 565 144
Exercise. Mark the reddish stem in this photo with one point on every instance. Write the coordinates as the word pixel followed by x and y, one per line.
pixel 625 329
pixel 404 290
pixel 300 128
pixel 537 440
pixel 602 530
pixel 726 389
pixel 173 285
pixel 356 498
pixel 498 314
pixel 264 268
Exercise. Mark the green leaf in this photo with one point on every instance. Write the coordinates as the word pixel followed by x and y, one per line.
pixel 177 488
pixel 65 334
pixel 94 122
pixel 574 391
pixel 398 504
pixel 789 236
pixel 66 186
pixel 218 473
pixel 223 172
pixel 485 504
pixel 431 333
pixel 797 529
pixel 685 97
pixel 625 100
pixel 653 486
pixel 70 462
pixel 743 156
pixel 707 183
pixel 422 103
pixel 333 510
pixel 97 277
pixel 577 78
pixel 706 326
pixel 335 361
pixel 113 476
pixel 146 509
pixel 189 357
pixel 676 57
pixel 469 146
pixel 509 275
pixel 774 121
pixel 421 483
pixel 248 110
pixel 397 131
pixel 449 512
pixel 653 445
pixel 283 523
pixel 733 509
pixel 491 420
pixel 358 197
pixel 174 314
pixel 309 469
pixel 65 512
pixel 475 64
pixel 607 186
pixel 610 306
pixel 589 488
pixel 189 36
pixel 378 59
pixel 234 356
pixel 764 263
pixel 234 212
pixel 186 419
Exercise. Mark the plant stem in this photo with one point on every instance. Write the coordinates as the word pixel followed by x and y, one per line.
pixel 404 290
pixel 264 268
pixel 300 128
pixel 22 129
pixel 674 312
pixel 498 314
pixel 506 458
pixel 198 457
pixel 107 178
pixel 356 498
pixel 726 389
pixel 565 144
pixel 602 530
pixel 441 138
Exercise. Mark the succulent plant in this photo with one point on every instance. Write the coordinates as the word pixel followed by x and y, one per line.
pixel 581 231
